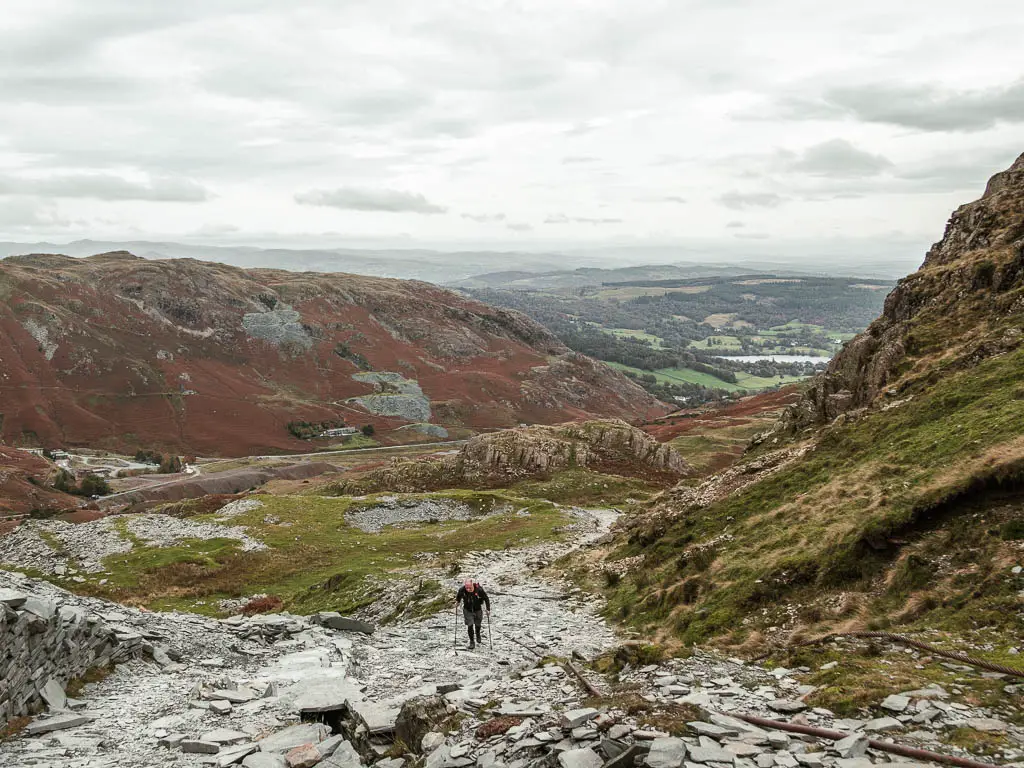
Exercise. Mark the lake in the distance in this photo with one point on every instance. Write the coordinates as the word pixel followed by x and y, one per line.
pixel 775 358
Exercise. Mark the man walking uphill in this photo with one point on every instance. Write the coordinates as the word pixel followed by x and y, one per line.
pixel 473 599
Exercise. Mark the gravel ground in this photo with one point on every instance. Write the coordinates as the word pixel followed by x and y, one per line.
pixel 403 511
pixel 53 546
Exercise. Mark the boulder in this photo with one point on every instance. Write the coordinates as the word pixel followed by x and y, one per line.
pixel 418 717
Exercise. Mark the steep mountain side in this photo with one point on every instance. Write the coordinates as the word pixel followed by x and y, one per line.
pixel 121 352
pixel 962 306
pixel 500 458
pixel 906 509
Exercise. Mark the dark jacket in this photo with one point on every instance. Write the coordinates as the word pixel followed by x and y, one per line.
pixel 473 600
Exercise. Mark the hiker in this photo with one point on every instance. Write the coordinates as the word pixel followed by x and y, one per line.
pixel 473 599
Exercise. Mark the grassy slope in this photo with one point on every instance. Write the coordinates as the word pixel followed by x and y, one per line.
pixel 826 520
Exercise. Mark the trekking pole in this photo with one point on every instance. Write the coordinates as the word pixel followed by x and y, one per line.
pixel 456 635
pixel 490 635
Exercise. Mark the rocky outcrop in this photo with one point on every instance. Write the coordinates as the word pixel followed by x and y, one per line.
pixel 965 303
pixel 499 458
pixel 593 444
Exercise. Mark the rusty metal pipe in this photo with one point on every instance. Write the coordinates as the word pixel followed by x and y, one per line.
pixel 882 746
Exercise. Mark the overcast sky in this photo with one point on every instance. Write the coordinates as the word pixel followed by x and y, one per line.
pixel 790 124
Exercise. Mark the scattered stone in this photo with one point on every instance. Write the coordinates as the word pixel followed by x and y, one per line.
pixel 305 756
pixel 335 620
pixel 580 758
pixel 666 753
pixel 235 754
pixel 711 754
pixel 786 706
pixel 292 737
pixel 199 747
pixel 882 724
pixel 345 756
pixel 220 707
pixel 54 696
pixel 713 731
pixel 431 741
pixel 264 760
pixel 854 745
pixel 896 703
pixel 225 736
pixel 59 723
pixel 577 717
pixel 171 740
pixel 619 731
pixel 987 724
pixel 418 717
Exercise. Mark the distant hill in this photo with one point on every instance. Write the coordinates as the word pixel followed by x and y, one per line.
pixel 121 352
pixel 413 263
pixel 590 276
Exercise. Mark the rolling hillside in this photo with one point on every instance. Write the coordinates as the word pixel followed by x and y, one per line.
pixel 118 352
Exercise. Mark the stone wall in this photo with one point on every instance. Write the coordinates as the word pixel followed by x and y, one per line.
pixel 44 644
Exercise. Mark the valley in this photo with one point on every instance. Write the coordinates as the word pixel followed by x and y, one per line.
pixel 710 584
pixel 698 339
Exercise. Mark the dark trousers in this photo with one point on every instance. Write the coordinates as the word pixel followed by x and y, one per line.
pixel 474 620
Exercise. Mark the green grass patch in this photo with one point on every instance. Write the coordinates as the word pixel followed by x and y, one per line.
pixel 315 560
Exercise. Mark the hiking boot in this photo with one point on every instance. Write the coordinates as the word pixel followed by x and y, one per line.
pixel 472 645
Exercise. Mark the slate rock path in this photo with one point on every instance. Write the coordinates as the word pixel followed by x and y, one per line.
pixel 226 692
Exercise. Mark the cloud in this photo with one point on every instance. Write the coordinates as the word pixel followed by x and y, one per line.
pixel 519 227
pixel 735 225
pixel 925 107
pixel 484 217
pixel 359 199
pixel 26 215
pixel 838 158
pixel 104 186
pixel 741 200
pixel 561 218
pixel 579 159
pixel 673 199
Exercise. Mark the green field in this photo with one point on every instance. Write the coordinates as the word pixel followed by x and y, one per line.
pixel 687 376
pixel 718 344
pixel 655 341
